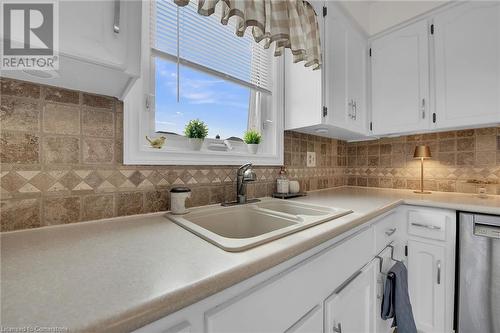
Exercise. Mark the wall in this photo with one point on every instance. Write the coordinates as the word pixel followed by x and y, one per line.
pixel 458 157
pixel 61 162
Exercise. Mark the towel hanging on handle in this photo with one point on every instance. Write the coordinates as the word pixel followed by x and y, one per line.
pixel 396 300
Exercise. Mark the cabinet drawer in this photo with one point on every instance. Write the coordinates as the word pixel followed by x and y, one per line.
pixel 278 303
pixel 427 224
pixel 387 230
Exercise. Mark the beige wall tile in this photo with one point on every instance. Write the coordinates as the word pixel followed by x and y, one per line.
pixel 62 95
pixel 129 203
pixel 19 115
pixel 19 88
pixel 61 119
pixel 96 123
pixel 19 214
pixel 19 148
pixel 61 210
pixel 157 201
pixel 465 144
pixel 97 207
pixel 61 150
pixel 98 101
pixel 486 142
pixel 98 150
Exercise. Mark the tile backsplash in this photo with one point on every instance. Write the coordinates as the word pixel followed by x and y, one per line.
pixel 61 162
pixel 459 158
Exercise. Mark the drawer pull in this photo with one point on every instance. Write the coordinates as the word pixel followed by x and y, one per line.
pixel 337 328
pixel 390 232
pixel 427 226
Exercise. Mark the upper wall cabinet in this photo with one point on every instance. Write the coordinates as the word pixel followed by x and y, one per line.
pixel 467 51
pixel 400 80
pixel 99 48
pixel 345 72
pixel 331 101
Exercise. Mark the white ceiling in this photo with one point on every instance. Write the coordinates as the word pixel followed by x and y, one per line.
pixel 377 15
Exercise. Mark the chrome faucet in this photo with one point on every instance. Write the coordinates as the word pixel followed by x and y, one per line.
pixel 244 175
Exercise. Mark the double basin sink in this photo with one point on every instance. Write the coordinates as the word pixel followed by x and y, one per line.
pixel 241 227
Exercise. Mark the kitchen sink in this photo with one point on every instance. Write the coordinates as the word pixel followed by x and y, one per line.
pixel 238 228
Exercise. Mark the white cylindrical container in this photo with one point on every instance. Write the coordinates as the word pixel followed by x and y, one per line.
pixel 178 196
pixel 294 186
pixel 282 185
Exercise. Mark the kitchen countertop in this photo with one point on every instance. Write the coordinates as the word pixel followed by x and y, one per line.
pixel 122 273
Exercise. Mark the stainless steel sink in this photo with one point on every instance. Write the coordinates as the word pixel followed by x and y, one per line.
pixel 238 228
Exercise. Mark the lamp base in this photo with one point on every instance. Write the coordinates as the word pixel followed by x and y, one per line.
pixel 422 192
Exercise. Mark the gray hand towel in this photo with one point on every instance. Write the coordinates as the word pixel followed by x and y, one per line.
pixel 396 301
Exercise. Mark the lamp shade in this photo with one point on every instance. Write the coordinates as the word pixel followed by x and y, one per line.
pixel 422 152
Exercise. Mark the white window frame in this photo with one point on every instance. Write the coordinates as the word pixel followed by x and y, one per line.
pixel 139 122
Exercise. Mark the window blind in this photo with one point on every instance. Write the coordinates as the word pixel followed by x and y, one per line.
pixel 181 34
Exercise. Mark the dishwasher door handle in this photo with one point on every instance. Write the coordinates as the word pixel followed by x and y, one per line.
pixel 427 226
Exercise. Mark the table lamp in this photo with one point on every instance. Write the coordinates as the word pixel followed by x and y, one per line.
pixel 422 152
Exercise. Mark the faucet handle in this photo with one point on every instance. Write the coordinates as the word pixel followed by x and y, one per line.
pixel 249 175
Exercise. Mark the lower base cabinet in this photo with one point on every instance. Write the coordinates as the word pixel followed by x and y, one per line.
pixel 426 280
pixel 338 287
pixel 351 308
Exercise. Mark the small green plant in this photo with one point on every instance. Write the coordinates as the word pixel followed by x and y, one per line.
pixel 196 129
pixel 252 137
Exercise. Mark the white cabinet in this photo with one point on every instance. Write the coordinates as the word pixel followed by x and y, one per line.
pixel 431 267
pixel 467 51
pixel 331 101
pixel 351 308
pixel 400 80
pixel 92 56
pixel 345 72
pixel 311 322
pixel 426 280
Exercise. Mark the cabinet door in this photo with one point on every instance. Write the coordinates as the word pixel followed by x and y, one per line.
pixel 400 80
pixel 86 31
pixel 303 95
pixel 426 284
pixel 356 81
pixel 345 72
pixel 351 309
pixel 467 44
pixel 311 322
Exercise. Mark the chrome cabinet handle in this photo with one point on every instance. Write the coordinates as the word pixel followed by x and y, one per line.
pixel 439 272
pixel 427 226
pixel 423 108
pixel 351 109
pixel 337 328
pixel 355 110
pixel 390 232
pixel 116 21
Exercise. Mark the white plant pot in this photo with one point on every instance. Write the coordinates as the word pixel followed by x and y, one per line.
pixel 252 148
pixel 195 144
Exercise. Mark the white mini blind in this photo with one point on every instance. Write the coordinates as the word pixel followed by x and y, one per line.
pixel 180 33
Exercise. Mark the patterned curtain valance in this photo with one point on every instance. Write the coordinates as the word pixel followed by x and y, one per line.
pixel 288 23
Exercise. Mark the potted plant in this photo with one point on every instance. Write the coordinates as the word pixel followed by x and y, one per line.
pixel 196 131
pixel 252 138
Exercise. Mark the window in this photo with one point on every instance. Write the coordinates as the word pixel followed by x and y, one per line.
pixel 199 69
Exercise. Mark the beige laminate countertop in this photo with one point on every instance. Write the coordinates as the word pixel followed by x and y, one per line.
pixel 120 274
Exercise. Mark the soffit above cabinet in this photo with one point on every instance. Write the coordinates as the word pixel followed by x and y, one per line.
pixel 376 16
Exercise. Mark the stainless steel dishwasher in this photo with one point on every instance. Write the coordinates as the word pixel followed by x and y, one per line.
pixel 479 273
